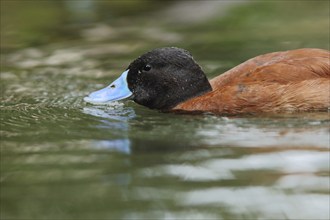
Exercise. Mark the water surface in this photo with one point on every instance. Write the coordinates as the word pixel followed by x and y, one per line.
pixel 64 159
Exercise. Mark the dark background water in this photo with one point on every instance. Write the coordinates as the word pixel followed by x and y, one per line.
pixel 64 159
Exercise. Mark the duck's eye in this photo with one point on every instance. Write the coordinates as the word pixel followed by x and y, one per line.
pixel 147 67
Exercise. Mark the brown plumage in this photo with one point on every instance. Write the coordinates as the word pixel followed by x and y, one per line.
pixel 290 81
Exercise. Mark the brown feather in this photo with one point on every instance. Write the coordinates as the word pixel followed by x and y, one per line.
pixel 297 80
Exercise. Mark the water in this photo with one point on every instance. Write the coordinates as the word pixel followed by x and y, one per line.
pixel 62 158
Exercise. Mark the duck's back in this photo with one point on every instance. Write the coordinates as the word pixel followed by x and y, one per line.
pixel 279 67
pixel 296 80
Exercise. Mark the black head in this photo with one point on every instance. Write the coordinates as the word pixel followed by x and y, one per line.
pixel 165 77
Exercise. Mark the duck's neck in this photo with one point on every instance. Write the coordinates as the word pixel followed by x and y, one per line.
pixel 192 91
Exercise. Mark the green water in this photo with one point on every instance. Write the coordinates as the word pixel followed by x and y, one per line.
pixel 64 159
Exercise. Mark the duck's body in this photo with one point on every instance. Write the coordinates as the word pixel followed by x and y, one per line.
pixel 296 80
pixel 169 79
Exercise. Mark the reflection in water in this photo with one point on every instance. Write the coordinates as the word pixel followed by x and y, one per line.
pixel 251 168
pixel 119 120
pixel 260 202
pixel 121 145
pixel 113 110
pixel 279 184
pixel 286 163
pixel 300 130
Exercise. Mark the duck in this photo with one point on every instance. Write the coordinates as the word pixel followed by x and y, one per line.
pixel 170 80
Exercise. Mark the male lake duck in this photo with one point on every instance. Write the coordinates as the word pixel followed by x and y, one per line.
pixel 169 79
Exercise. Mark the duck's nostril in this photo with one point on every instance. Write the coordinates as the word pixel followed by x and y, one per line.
pixel 113 86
